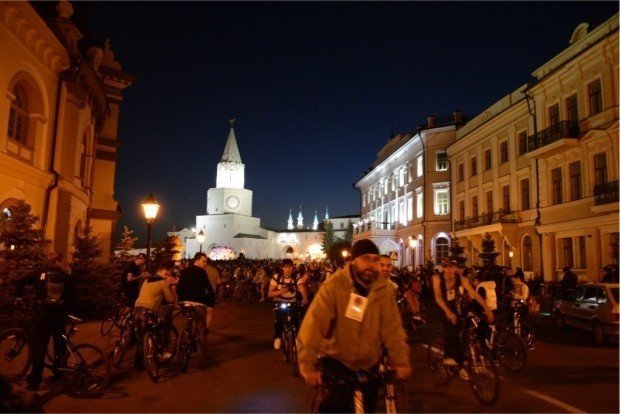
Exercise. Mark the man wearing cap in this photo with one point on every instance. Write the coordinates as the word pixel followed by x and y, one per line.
pixel 351 317
pixel 130 280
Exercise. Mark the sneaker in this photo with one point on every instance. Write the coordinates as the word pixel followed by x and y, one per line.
pixel 450 362
pixel 276 343
pixel 463 374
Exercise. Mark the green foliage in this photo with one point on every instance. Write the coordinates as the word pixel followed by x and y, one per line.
pixel 122 255
pixel 456 253
pixel 163 252
pixel 328 237
pixel 21 251
pixel 94 288
pixel 488 254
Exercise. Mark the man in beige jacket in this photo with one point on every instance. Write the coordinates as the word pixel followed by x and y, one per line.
pixel 353 314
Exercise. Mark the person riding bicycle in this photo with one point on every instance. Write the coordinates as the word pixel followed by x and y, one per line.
pixel 131 278
pixel 152 294
pixel 485 287
pixel 349 321
pixel 449 288
pixel 283 288
pixel 54 293
pixel 519 295
pixel 194 288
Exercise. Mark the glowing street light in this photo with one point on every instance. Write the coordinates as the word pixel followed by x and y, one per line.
pixel 345 254
pixel 200 238
pixel 150 208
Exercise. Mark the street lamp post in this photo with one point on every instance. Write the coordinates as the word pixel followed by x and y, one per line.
pixel 200 238
pixel 150 207
pixel 413 243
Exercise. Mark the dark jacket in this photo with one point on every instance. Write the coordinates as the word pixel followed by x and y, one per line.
pixel 194 286
pixel 39 279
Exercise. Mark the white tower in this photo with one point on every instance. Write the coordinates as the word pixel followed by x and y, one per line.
pixel 290 220
pixel 326 213
pixel 229 196
pixel 300 219
pixel 315 223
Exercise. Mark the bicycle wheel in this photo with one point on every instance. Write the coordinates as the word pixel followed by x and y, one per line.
pixel 151 358
pixel 87 370
pixel 109 320
pixel 14 354
pixel 483 377
pixel 511 351
pixel 292 353
pixel 122 343
pixel 185 350
pixel 436 353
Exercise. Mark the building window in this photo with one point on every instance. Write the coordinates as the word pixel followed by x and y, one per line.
pixel 554 115
pixel 401 177
pixel 600 169
pixel 385 187
pixel 18 116
pixel 419 201
pixel 527 254
pixel 572 110
pixel 474 167
pixel 506 198
pixel 489 200
pixel 567 251
pixel 556 180
pixel 462 210
pixel 442 206
pixel 525 194
pixel 461 172
pixel 582 252
pixel 595 97
pixel 474 206
pixel 442 249
pixel 522 137
pixel 487 159
pixel 409 173
pixel 442 161
pixel 402 216
pixel 575 180
pixel 503 151
pixel 420 165
pixel 409 208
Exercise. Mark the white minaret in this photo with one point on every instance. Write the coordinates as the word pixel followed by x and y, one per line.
pixel 300 219
pixel 326 213
pixel 290 220
pixel 315 223
pixel 229 196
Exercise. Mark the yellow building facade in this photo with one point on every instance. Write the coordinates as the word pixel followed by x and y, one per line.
pixel 59 113
pixel 538 170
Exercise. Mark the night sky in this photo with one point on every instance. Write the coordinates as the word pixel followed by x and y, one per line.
pixel 316 88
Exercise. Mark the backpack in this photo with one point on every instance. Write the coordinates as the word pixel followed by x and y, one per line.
pixel 54 287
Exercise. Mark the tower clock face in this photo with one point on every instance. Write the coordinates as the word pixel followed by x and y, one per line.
pixel 232 202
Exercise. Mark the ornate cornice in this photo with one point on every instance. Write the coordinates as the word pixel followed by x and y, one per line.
pixel 27 26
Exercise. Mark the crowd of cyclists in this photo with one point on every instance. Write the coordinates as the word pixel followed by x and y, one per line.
pixel 443 292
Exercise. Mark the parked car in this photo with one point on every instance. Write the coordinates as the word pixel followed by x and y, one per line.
pixel 593 307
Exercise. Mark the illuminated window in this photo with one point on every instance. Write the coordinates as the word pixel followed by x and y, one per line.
pixel 554 114
pixel 419 196
pixel 525 194
pixel 575 180
pixel 572 110
pixel 420 164
pixel 474 206
pixel 442 205
pixel 409 208
pixel 489 200
pixel 442 161
pixel 556 180
pixel 461 172
pixel 506 198
pixel 474 167
pixel 522 138
pixel 18 116
pixel 487 159
pixel 600 169
pixel 442 249
pixel 503 152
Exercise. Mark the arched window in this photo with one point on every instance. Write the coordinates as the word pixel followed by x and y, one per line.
pixel 526 254
pixel 18 116
pixel 442 249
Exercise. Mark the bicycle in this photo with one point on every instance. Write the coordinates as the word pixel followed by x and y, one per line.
pixel 384 378
pixel 478 363
pixel 159 343
pixel 126 337
pixel 188 343
pixel 114 315
pixel 85 368
pixel 15 357
pixel 520 326
pixel 289 334
pixel 506 346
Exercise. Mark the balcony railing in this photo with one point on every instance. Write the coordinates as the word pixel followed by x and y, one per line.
pixel 606 193
pixel 484 219
pixel 374 225
pixel 563 129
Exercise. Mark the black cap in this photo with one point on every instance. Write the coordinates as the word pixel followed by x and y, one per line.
pixel 363 247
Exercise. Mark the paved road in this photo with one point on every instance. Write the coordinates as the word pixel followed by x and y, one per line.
pixel 566 373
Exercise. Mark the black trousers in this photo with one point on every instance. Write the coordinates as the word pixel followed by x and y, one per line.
pixel 339 398
pixel 48 323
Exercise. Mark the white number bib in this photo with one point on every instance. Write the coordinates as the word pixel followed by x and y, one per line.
pixel 356 307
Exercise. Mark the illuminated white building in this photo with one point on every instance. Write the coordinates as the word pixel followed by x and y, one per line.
pixel 231 231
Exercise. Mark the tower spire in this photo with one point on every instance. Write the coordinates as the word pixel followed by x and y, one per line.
pixel 231 152
pixel 326 213
pixel 315 222
pixel 300 219
pixel 289 222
